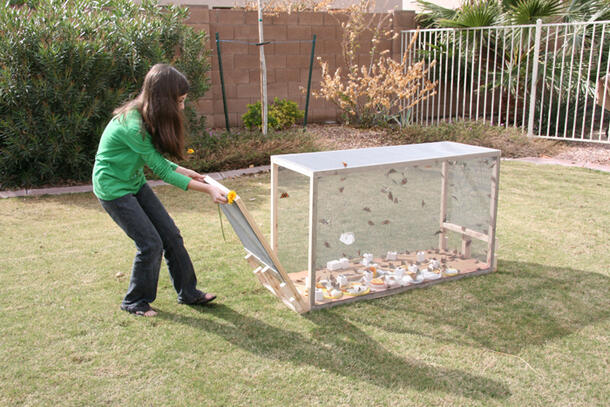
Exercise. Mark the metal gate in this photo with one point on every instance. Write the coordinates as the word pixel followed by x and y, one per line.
pixel 551 80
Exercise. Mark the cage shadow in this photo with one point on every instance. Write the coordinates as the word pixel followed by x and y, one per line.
pixel 338 346
pixel 521 305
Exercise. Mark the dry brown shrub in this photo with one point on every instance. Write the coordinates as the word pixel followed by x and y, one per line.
pixel 382 91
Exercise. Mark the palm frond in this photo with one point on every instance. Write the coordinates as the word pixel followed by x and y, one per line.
pixel 587 10
pixel 528 11
pixel 432 13
pixel 478 14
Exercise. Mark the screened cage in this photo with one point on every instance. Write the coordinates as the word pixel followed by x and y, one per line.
pixel 364 223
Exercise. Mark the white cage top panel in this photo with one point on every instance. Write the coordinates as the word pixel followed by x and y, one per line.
pixel 326 161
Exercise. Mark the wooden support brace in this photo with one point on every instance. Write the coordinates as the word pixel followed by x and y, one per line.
pixel 466 244
pixel 252 261
pixel 465 231
pixel 264 280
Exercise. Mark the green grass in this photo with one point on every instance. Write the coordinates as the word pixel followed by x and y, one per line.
pixel 535 333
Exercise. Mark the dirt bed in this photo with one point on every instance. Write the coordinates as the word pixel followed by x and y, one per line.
pixel 339 137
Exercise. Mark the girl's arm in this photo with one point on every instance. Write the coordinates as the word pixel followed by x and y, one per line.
pixel 216 194
pixel 190 173
pixel 197 183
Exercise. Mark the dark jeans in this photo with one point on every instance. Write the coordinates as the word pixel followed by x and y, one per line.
pixel 145 220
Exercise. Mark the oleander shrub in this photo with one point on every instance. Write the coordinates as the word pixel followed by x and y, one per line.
pixel 66 64
pixel 282 114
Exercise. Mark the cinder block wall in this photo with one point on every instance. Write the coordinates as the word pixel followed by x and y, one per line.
pixel 287 61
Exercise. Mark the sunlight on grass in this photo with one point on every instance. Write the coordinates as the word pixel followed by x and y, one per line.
pixel 533 333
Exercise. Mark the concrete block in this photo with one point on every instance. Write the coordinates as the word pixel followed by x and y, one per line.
pixel 246 32
pixel 246 61
pixel 298 32
pixel 237 76
pixel 247 90
pixel 238 106
pixel 328 47
pixel 276 61
pixel 198 15
pixel 204 106
pixel 232 48
pixel 225 32
pixel 298 61
pixel 284 19
pixel 277 89
pixel 316 76
pixel 404 20
pixel 286 49
pixel 251 18
pixel 275 32
pixel 287 75
pixel 254 76
pixel 311 18
pixel 335 18
pixel 233 17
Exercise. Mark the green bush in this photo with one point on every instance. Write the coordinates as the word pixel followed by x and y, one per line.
pixel 282 114
pixel 66 64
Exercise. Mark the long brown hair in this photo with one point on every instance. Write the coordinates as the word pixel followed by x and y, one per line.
pixel 158 106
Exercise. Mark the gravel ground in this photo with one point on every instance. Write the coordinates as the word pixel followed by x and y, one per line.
pixel 598 154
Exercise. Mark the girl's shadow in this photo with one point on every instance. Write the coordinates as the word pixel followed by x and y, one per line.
pixel 338 346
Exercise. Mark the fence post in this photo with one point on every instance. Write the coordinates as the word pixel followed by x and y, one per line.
pixel 313 48
pixel 222 84
pixel 530 125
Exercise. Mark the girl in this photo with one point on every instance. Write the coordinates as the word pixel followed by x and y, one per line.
pixel 141 130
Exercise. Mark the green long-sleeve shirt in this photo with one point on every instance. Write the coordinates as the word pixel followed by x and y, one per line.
pixel 121 156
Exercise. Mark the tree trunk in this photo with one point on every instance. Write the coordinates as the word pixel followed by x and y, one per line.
pixel 263 71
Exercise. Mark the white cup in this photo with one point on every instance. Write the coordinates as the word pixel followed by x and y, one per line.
pixel 368 276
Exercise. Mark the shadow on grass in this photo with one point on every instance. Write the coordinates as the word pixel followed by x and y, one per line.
pixel 521 305
pixel 339 346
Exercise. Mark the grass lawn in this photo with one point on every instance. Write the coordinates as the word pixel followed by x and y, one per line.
pixel 535 333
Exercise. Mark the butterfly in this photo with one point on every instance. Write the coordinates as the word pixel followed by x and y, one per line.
pixel 284 195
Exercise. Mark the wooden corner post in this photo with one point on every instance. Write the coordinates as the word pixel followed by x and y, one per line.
pixel 442 237
pixel 274 202
pixel 493 212
pixel 313 219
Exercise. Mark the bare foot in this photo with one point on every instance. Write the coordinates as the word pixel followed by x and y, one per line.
pixel 144 311
pixel 150 313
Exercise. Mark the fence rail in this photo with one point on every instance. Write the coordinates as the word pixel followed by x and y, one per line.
pixel 551 80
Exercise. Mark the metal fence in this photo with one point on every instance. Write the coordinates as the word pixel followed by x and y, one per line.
pixel 552 80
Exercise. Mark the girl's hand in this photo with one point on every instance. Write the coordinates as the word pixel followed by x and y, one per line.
pixel 217 195
pixel 195 175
